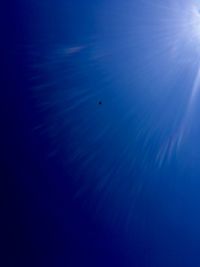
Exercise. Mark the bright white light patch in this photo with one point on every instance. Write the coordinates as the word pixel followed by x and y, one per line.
pixel 195 22
pixel 188 36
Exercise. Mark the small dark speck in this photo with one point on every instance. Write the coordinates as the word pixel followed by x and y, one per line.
pixel 100 103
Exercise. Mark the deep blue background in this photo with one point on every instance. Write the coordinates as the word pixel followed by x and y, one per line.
pixel 43 223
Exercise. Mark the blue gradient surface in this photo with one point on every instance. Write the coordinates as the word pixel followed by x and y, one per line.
pixel 103 140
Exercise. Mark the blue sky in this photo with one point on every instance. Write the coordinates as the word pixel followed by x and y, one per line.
pixel 116 182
